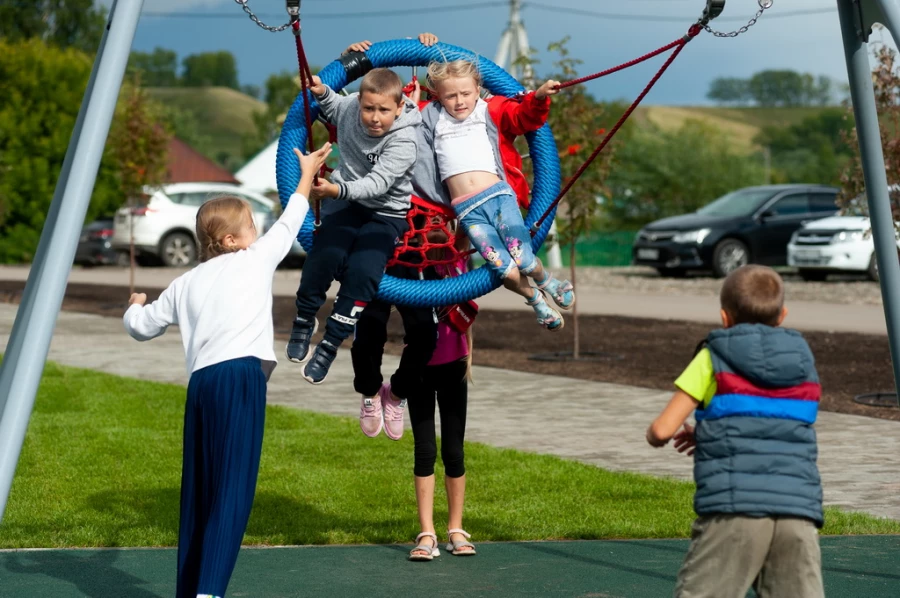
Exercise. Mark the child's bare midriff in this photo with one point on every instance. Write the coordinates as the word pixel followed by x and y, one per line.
pixel 467 183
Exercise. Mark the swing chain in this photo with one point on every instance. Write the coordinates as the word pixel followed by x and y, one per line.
pixel 256 20
pixel 763 6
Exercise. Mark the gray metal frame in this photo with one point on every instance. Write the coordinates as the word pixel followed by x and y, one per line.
pixel 857 18
pixel 29 343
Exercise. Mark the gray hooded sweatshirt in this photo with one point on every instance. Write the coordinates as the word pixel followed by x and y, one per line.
pixel 374 171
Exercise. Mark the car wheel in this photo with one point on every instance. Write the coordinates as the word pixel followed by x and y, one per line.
pixel 872 270
pixel 728 256
pixel 672 272
pixel 813 275
pixel 123 260
pixel 178 250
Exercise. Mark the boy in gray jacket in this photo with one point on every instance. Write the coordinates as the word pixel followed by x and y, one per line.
pixel 377 134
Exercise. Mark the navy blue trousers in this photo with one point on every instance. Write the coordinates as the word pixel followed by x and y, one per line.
pixel 223 432
pixel 358 242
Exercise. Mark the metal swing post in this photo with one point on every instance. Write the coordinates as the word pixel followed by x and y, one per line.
pixel 29 342
pixel 857 18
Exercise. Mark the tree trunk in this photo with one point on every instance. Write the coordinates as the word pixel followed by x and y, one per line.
pixel 131 247
pixel 576 348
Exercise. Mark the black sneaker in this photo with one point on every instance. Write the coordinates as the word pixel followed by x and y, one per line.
pixel 317 368
pixel 297 349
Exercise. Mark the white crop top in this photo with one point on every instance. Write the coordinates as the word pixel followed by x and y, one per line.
pixel 464 146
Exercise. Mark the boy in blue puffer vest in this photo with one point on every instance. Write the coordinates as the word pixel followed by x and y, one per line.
pixel 754 391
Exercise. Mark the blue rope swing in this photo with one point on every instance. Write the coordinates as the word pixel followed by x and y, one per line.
pixel 393 53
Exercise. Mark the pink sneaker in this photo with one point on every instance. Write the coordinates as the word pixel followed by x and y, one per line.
pixel 393 413
pixel 370 414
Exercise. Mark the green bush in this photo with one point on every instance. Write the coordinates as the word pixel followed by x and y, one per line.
pixel 41 89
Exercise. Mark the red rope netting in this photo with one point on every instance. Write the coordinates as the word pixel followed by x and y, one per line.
pixel 429 232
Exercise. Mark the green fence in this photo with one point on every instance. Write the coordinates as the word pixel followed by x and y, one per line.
pixel 594 249
pixel 599 249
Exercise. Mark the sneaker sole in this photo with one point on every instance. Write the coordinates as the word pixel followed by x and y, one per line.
pixel 562 324
pixel 548 297
pixel 388 434
pixel 308 349
pixel 370 435
pixel 311 381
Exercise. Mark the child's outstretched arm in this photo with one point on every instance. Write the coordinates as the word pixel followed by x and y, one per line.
pixel 396 159
pixel 276 243
pixel 145 323
pixel 518 118
pixel 664 427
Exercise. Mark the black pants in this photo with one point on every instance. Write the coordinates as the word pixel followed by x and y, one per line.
pixel 419 337
pixel 359 241
pixel 447 385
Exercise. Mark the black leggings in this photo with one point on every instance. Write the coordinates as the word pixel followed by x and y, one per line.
pixel 446 383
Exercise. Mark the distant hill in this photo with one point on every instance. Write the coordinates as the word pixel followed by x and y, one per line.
pixel 223 115
pixel 742 124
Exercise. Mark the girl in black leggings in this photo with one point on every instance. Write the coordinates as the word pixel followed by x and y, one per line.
pixel 445 382
pixel 429 374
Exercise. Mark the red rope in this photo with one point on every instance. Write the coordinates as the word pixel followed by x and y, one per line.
pixel 678 42
pixel 305 84
pixel 679 45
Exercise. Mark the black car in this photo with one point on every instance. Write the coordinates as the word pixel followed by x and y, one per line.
pixel 750 225
pixel 95 245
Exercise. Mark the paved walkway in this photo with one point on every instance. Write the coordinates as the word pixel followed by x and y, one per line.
pixel 803 315
pixel 597 423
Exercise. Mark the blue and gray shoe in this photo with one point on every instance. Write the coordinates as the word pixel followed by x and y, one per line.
pixel 317 368
pixel 561 291
pixel 297 349
pixel 547 317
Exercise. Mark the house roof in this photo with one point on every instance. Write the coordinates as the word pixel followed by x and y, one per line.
pixel 187 165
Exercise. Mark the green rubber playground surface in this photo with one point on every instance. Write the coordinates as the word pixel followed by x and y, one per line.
pixel 853 566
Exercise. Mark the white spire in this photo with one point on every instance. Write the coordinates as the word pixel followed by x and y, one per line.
pixel 514 43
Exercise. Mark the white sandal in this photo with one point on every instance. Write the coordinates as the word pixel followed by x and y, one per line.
pixel 455 548
pixel 430 551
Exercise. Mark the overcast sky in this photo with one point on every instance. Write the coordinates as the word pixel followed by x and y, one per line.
pixel 784 38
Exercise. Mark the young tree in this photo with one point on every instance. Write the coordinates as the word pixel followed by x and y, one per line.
pixel 886 79
pixel 139 151
pixel 579 123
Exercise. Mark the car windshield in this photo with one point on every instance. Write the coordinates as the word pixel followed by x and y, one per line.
pixel 737 203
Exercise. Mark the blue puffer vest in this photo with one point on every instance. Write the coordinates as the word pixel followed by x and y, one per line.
pixel 756 446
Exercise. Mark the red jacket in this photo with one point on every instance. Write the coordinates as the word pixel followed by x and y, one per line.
pixel 514 117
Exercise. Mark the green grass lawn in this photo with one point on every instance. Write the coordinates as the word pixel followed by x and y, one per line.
pixel 101 467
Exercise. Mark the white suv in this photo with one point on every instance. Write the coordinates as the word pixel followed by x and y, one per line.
pixel 831 245
pixel 164 225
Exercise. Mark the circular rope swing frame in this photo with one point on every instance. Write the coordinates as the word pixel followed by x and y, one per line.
pixel 394 53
